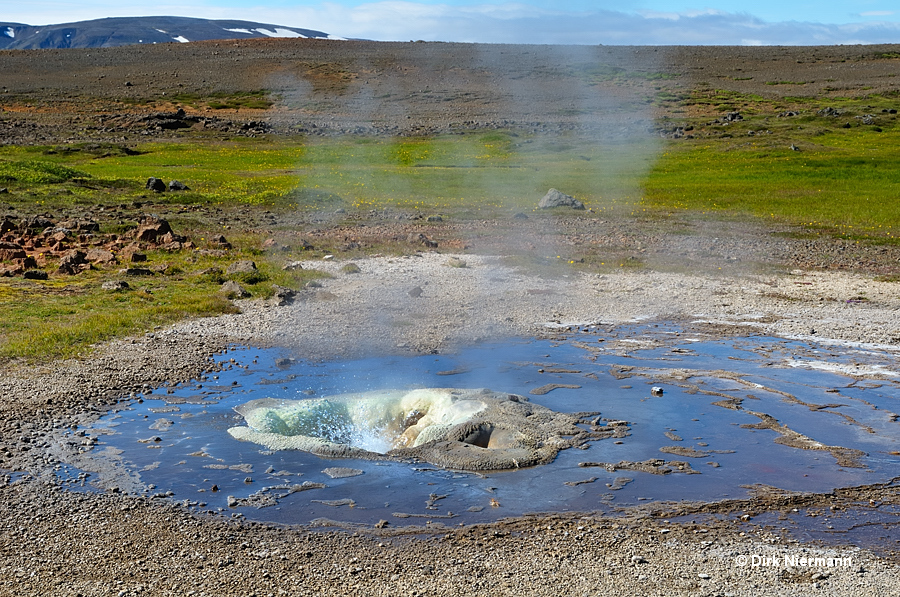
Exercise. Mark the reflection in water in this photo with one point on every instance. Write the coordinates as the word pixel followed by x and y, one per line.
pixel 707 416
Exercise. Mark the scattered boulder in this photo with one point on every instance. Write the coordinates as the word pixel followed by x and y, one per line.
pixel 829 111
pixel 555 198
pixel 151 229
pixel 10 270
pixel 73 262
pixel 115 285
pixel 9 251
pixel 292 266
pixel 37 223
pixel 283 295
pixel 34 274
pixel 233 289
pixel 241 267
pixel 177 185
pixel 417 238
pixel 351 268
pixel 732 117
pixel 97 255
pixel 220 241
pixel 156 185
pixel 7 225
pixel 138 271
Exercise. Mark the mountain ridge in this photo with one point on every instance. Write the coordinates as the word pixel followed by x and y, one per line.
pixel 124 31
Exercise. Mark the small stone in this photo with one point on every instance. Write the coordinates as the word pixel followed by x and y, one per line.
pixel 292 266
pixel 114 285
pixel 233 289
pixel 241 267
pixel 282 294
pixel 138 271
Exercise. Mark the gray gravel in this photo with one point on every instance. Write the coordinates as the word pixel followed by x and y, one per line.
pixel 115 544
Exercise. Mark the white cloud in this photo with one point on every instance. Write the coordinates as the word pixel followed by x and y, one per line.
pixel 877 13
pixel 400 20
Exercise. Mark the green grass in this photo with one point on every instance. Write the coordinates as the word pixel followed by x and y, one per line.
pixel 36 172
pixel 63 316
pixel 61 319
pixel 222 100
pixel 841 182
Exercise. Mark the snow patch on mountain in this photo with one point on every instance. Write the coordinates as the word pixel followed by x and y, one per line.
pixel 278 32
pixel 10 32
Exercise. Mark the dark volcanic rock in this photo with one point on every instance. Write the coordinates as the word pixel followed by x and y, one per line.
pixel 155 184
pixel 34 274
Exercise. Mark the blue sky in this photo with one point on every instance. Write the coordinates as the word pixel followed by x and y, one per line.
pixel 662 22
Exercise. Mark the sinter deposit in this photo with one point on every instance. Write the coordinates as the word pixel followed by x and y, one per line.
pixel 454 428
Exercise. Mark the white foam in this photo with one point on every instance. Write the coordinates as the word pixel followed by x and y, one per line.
pixel 865 370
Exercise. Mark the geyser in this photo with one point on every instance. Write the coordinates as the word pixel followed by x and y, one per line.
pixel 453 428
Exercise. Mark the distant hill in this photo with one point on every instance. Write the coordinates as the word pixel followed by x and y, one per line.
pixel 123 31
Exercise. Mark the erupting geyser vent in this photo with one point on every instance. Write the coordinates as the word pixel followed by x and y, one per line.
pixel 455 428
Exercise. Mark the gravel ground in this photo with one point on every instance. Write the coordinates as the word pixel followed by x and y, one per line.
pixel 118 544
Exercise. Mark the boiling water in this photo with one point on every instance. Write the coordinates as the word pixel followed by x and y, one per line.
pixel 834 398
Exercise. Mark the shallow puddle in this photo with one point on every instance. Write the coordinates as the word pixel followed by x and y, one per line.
pixel 722 406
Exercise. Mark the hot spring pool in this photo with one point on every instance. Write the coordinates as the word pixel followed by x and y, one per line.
pixel 732 414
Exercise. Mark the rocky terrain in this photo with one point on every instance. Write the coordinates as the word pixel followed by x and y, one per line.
pixel 113 543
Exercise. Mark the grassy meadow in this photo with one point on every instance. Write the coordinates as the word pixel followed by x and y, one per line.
pixel 825 174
